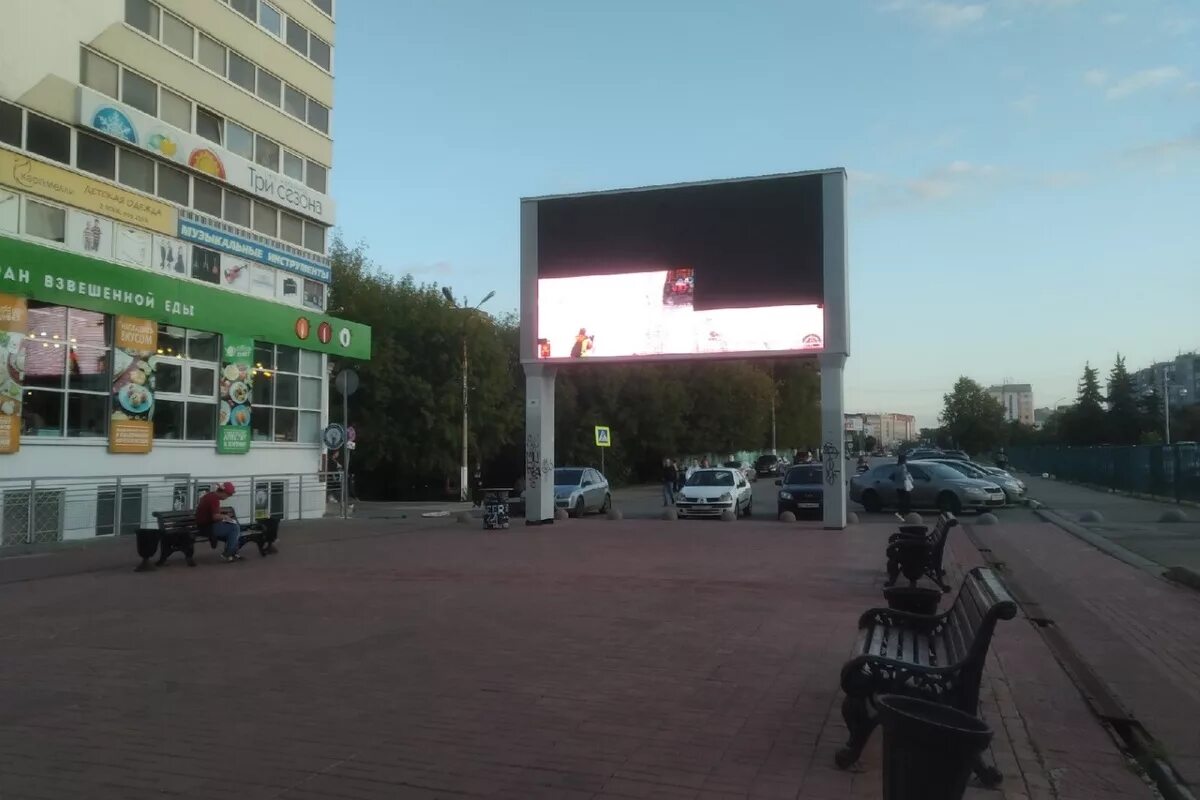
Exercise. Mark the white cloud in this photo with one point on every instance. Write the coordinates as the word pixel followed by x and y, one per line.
pixel 940 14
pixel 1143 80
pixel 1167 154
pixel 1025 104
pixel 1095 77
pixel 955 179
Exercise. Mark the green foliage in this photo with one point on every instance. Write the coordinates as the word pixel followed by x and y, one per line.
pixel 1085 422
pixel 973 418
pixel 869 444
pixel 1125 418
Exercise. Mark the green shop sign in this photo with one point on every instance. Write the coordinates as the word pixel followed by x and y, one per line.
pixel 70 279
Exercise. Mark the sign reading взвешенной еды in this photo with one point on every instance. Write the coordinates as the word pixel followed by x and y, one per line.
pixel 78 281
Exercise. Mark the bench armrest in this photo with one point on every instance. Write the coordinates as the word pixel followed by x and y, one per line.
pixel 890 617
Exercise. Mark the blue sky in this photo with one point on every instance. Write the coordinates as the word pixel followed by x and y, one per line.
pixel 1024 190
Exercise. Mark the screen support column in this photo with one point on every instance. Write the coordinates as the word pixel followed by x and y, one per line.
pixel 833 438
pixel 539 444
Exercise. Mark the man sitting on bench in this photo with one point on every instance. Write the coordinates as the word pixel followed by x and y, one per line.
pixel 217 525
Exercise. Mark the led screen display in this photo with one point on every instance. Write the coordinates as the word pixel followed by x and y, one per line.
pixel 685 271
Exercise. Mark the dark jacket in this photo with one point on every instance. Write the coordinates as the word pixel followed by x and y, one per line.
pixel 669 475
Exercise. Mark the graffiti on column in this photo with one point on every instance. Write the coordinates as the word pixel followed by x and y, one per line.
pixel 533 462
pixel 833 462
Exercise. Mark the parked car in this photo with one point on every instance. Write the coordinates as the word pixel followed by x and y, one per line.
pixel 959 455
pixel 934 486
pixel 919 453
pixel 767 466
pixel 743 467
pixel 710 491
pixel 1014 491
pixel 580 490
pixel 802 490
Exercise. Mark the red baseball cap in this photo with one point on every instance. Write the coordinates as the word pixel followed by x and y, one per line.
pixel 227 488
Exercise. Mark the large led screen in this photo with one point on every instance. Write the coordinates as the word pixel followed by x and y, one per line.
pixel 705 269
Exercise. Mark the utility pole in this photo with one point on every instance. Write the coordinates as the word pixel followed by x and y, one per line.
pixel 1167 407
pixel 464 485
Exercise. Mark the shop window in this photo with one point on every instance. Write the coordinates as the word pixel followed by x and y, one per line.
pixel 45 222
pixel 266 219
pixel 96 155
pixel 318 116
pixel 139 92
pixel 291 229
pixel 294 102
pixel 270 18
pixel 142 15
pixel 48 138
pixel 206 264
pixel 68 374
pixel 186 369
pixel 237 209
pixel 202 346
pixel 317 176
pixel 241 71
pixel 270 88
pixel 287 359
pixel 98 73
pixel 288 398
pixel 206 197
pixel 293 165
pixel 314 295
pixel 239 140
pixel 211 54
pixel 310 363
pixel 136 171
pixel 178 35
pixel 314 236
pixel 319 52
pixel 209 125
pixel 175 110
pixel 10 124
pixel 297 37
pixel 266 153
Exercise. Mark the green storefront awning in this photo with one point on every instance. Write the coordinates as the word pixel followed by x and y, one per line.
pixel 71 279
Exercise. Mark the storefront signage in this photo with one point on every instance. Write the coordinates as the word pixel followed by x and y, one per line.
pixel 237 395
pixel 19 171
pixel 122 122
pixel 131 429
pixel 71 279
pixel 246 248
pixel 13 320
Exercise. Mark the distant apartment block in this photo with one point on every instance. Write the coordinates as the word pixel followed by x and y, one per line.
pixel 1180 377
pixel 1017 399
pixel 888 429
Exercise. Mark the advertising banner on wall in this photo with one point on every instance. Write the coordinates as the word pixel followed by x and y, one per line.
pixel 141 130
pixel 70 279
pixel 131 429
pixel 23 173
pixel 13 321
pixel 237 396
pixel 233 244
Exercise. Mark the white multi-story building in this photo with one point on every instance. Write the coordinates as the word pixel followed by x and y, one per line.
pixel 164 215
pixel 1017 399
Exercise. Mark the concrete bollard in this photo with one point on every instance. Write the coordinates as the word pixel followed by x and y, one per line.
pixel 1091 516
pixel 987 519
pixel 669 514
pixel 728 516
pixel 851 518
pixel 787 516
pixel 913 518
pixel 1173 515
pixel 463 517
pixel 561 514
pixel 613 513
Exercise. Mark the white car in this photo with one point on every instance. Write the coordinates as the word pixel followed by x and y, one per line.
pixel 744 467
pixel 708 492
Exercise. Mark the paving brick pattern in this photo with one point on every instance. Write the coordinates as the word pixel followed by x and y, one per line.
pixel 380 660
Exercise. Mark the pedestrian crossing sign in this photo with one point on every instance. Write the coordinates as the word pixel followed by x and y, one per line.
pixel 603 436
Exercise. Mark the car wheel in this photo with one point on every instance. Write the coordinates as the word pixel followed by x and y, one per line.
pixel 580 508
pixel 948 501
pixel 870 501
pixel 606 504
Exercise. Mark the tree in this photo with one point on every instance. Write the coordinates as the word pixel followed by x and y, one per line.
pixel 1125 417
pixel 1084 422
pixel 972 417
pixel 1152 416
pixel 869 444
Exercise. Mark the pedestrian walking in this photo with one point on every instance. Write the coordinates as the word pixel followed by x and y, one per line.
pixel 669 476
pixel 904 486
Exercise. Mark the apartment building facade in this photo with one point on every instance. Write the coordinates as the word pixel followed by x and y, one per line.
pixel 164 223
pixel 1017 399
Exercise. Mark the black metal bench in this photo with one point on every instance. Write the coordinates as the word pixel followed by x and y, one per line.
pixel 918 552
pixel 178 531
pixel 938 658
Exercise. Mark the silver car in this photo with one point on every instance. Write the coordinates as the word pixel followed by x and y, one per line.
pixel 1014 490
pixel 580 490
pixel 934 486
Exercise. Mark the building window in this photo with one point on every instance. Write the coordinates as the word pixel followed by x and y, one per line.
pixel 297 37
pixel 185 403
pixel 48 138
pixel 206 197
pixel 45 222
pixel 178 35
pixel 316 177
pixel 266 219
pixel 175 110
pixel 287 394
pixel 314 236
pixel 98 72
pixel 67 371
pixel 293 165
pixel 294 102
pixel 266 153
pixel 96 155
pixel 325 5
pixel 237 209
pixel 212 54
pixel 139 92
pixel 270 18
pixel 270 88
pixel 142 15
pixel 239 140
pixel 318 116
pixel 173 185
pixel 247 8
pixel 206 264
pixel 10 124
pixel 136 171
pixel 319 52
pixel 209 125
pixel 241 71
pixel 291 229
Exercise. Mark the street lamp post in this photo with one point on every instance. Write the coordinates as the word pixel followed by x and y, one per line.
pixel 464 491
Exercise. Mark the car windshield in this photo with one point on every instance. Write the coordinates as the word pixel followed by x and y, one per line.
pixel 711 477
pixel 567 477
pixel 941 471
pixel 766 461
pixel 970 470
pixel 801 475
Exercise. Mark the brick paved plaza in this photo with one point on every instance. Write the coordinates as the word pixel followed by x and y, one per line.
pixel 423 659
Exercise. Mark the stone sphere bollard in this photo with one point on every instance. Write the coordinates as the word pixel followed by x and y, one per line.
pixel 851 518
pixel 463 517
pixel 613 513
pixel 1091 516
pixel 787 516
pixel 913 518
pixel 728 516
pixel 669 514
pixel 1173 515
pixel 987 519
pixel 561 514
